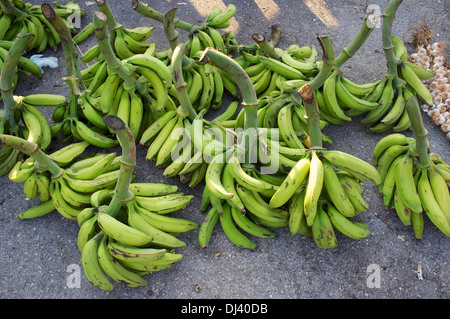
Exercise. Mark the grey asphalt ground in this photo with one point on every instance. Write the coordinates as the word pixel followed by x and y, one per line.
pixel 37 255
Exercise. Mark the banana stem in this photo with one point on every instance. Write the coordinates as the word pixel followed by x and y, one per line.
pixel 266 46
pixel 73 76
pixel 180 85
pixel 420 132
pixel 8 71
pixel 358 41
pixel 250 101
pixel 32 150
pixel 114 63
pixel 250 48
pixel 169 28
pixel 122 193
pixel 306 92
pixel 328 62
pixel 104 7
pixel 391 60
pixel 148 12
pixel 9 8
pixel 275 35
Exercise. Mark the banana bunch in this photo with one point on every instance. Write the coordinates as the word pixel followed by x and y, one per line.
pixel 87 126
pixel 410 189
pixel 138 241
pixel 321 184
pixel 283 113
pixel 126 43
pixel 69 193
pixel 18 16
pixel 294 66
pixel 29 123
pixel 220 19
pixel 384 99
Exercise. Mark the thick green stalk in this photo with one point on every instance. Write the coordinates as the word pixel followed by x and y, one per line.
pixel 420 132
pixel 122 193
pixel 148 12
pixel 8 71
pixel 104 7
pixel 248 140
pixel 391 60
pixel 114 63
pixel 306 92
pixel 73 72
pixel 328 62
pixel 275 35
pixel 169 28
pixel 186 108
pixel 266 46
pixel 358 41
pixel 32 150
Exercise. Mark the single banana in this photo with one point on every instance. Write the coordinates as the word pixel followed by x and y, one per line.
pixel 122 232
pixel 313 188
pixel 103 181
pixel 165 152
pixel 440 191
pixel 388 187
pixel 152 63
pixel 91 265
pixel 335 191
pixel 353 165
pixel 42 99
pixel 249 226
pixel 360 90
pixel 213 177
pixel 297 218
pixel 38 210
pixel 384 143
pixel 232 232
pixel 18 174
pixel 345 225
pixel 403 212
pixel 281 68
pixel 207 227
pixel 94 138
pixel 136 254
pixel 30 187
pixel 87 230
pixel 406 185
pixel 100 166
pixel 164 204
pixel 416 83
pixel 303 67
pixel 43 187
